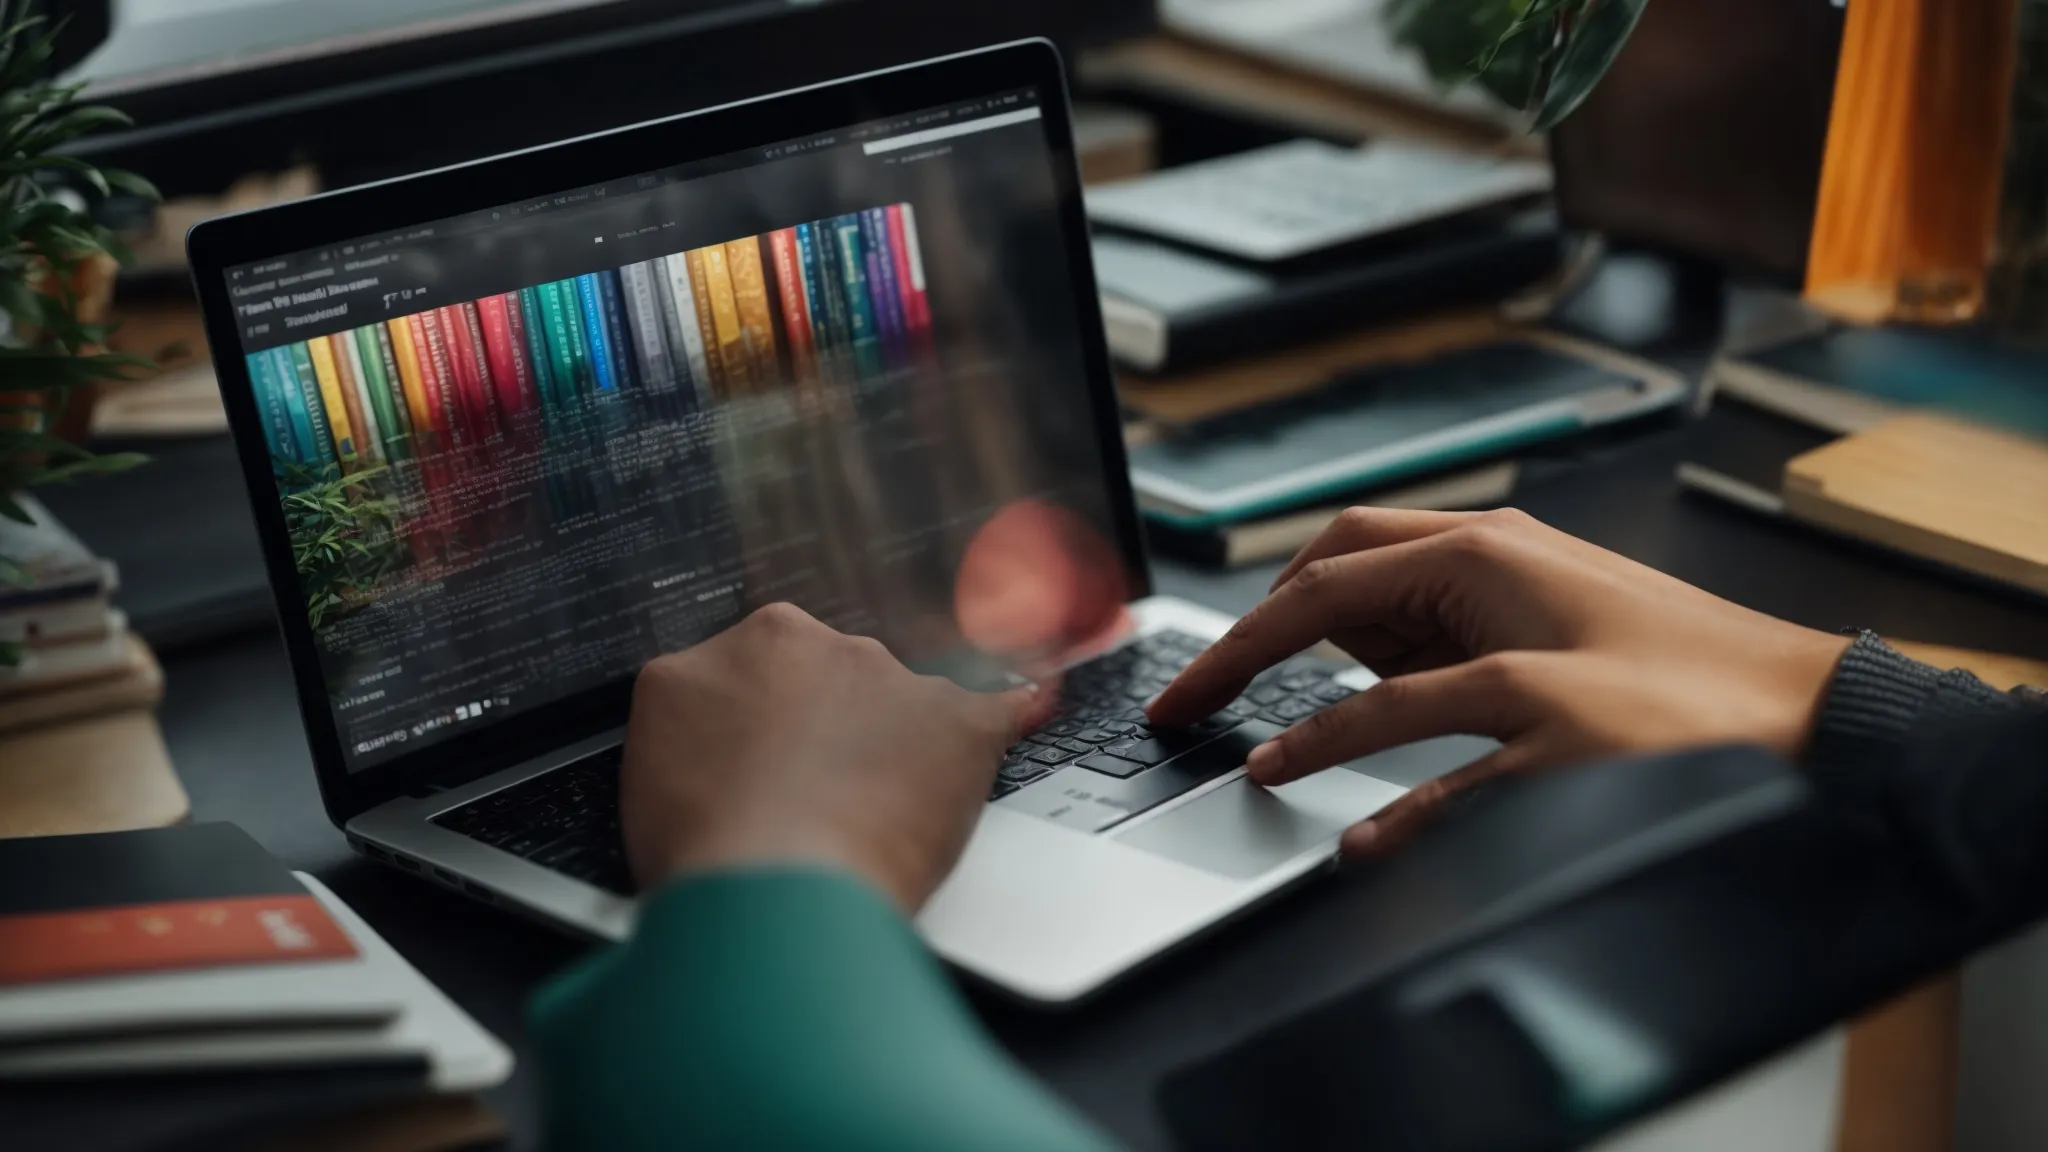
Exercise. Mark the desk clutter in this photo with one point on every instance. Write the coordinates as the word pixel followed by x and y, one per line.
pixel 179 988
pixel 1927 445
pixel 79 745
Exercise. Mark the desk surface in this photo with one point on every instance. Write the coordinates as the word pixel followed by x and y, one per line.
pixel 233 731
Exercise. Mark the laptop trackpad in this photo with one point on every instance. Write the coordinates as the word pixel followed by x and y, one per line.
pixel 1243 831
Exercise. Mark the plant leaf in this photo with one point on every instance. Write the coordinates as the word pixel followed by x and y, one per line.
pixel 132 184
pixel 1603 30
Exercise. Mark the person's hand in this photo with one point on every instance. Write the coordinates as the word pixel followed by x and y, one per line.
pixel 781 740
pixel 1493 624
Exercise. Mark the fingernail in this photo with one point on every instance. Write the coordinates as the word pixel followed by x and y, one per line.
pixel 1265 760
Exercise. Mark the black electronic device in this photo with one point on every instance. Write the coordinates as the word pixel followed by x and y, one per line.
pixel 1706 138
pixel 368 91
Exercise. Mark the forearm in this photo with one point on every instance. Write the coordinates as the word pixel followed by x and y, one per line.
pixel 779 1009
pixel 1958 770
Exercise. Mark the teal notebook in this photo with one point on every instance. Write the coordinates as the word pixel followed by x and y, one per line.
pixel 1380 426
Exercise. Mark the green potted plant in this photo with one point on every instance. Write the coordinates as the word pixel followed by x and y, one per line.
pixel 54 262
pixel 1540 57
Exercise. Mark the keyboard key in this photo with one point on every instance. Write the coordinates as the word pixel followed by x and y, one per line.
pixel 1051 756
pixel 1267 695
pixel 1299 681
pixel 1117 727
pixel 1111 765
pixel 1333 692
pixel 1060 728
pixel 1095 736
pixel 1077 747
pixel 1020 749
pixel 1002 788
pixel 1022 772
pixel 1146 752
pixel 1091 801
pixel 1042 738
pixel 1290 711
pixel 1215 725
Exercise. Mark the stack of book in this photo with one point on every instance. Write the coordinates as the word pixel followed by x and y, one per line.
pixel 179 988
pixel 79 745
pixel 65 650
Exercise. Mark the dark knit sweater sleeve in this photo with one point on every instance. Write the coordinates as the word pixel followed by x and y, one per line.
pixel 1958 769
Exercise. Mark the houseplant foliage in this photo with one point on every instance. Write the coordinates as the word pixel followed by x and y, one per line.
pixel 1540 57
pixel 343 536
pixel 49 247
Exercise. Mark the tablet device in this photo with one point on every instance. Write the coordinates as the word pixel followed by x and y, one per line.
pixel 1388 423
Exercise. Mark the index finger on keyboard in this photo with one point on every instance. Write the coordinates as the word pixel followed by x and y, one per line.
pixel 1340 592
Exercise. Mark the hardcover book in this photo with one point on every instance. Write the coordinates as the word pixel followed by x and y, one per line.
pixel 348 359
pixel 735 368
pixel 690 321
pixel 618 333
pixel 339 426
pixel 796 315
pixel 590 303
pixel 316 410
pixel 534 341
pixel 477 356
pixel 881 262
pixel 411 381
pixel 860 309
pixel 394 390
pixel 757 319
pixel 295 405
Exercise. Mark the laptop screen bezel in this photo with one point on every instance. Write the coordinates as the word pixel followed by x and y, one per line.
pixel 335 217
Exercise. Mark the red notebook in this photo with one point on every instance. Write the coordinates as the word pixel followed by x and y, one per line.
pixel 124 903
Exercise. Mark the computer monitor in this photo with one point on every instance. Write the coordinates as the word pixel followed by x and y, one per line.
pixel 376 88
pixel 1706 138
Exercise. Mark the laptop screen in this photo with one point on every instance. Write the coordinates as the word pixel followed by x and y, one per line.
pixel 521 451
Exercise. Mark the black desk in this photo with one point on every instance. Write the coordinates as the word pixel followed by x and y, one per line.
pixel 234 733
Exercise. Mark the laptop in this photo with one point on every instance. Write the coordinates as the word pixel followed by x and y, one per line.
pixel 512 428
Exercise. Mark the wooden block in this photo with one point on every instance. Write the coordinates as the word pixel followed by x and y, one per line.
pixel 2002 672
pixel 107 774
pixel 1899 1073
pixel 1959 494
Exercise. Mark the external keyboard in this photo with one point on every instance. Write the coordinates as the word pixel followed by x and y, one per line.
pixel 1095 764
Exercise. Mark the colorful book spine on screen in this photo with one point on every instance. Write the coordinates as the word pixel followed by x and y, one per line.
pixel 827 303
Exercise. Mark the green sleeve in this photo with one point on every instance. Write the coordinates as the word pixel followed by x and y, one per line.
pixel 771 1009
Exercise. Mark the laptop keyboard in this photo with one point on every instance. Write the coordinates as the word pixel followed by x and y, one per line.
pixel 567 820
pixel 1097 763
pixel 1100 762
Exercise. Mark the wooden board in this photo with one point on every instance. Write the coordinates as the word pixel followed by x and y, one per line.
pixel 106 774
pixel 2002 672
pixel 1899 1074
pixel 1956 493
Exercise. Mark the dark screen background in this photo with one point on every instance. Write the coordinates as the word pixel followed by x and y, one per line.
pixel 562 538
